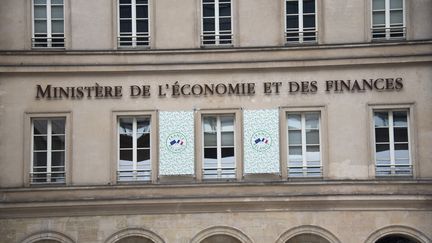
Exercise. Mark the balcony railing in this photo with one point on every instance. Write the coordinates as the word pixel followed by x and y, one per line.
pixel 45 42
pixel 383 33
pixel 393 170
pixel 133 175
pixel 299 37
pixel 127 41
pixel 210 39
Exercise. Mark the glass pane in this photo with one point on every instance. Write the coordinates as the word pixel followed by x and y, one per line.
pixel 125 140
pixel 40 1
pixel 125 155
pixel 40 12
pixel 312 137
pixel 295 153
pixel 58 126
pixel 57 26
pixel 382 152
pixel 308 6
pixel 126 125
pixel 57 12
pixel 40 143
pixel 125 26
pixel 378 18
pixel 396 4
pixel 225 9
pixel 210 139
pixel 143 125
pixel 58 142
pixel 210 157
pixel 294 137
pixel 292 7
pixel 292 21
pixel 125 1
pixel 142 26
pixel 400 119
pixel 40 159
pixel 141 1
pixel 312 120
pixel 227 138
pixel 209 124
pixel 58 158
pixel 225 24
pixel 400 134
pixel 378 4
pixel 381 135
pixel 396 17
pixel 40 126
pixel 143 155
pixel 402 161
pixel 228 157
pixel 142 11
pixel 227 123
pixel 294 122
pixel 209 24
pixel 126 11
pixel 208 10
pixel 143 140
pixel 313 153
pixel 308 21
pixel 381 119
pixel 401 151
pixel 40 26
pixel 56 1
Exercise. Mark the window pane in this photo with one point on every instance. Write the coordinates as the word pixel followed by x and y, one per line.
pixel 401 151
pixel 125 156
pixel 313 153
pixel 225 24
pixel 378 18
pixel 125 1
pixel 126 125
pixel 400 134
pixel 143 155
pixel 210 139
pixel 400 119
pixel 126 11
pixel 308 21
pixel 381 135
pixel 210 124
pixel 381 119
pixel 292 21
pixel 396 4
pixel 292 7
pixel 57 12
pixel 58 158
pixel 142 26
pixel 312 120
pixel 40 1
pixel 40 159
pixel 58 126
pixel 294 122
pixel 56 1
pixel 225 9
pixel 209 24
pixel 396 17
pixel 294 137
pixel 382 152
pixel 125 140
pixel 378 4
pixel 312 137
pixel 40 26
pixel 125 26
pixel 40 143
pixel 143 140
pixel 141 1
pixel 208 10
pixel 58 142
pixel 142 11
pixel 295 153
pixel 227 123
pixel 308 6
pixel 210 157
pixel 40 126
pixel 143 125
pixel 40 11
pixel 228 157
pixel 227 138
pixel 57 26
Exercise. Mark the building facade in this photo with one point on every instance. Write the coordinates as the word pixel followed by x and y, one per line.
pixel 203 121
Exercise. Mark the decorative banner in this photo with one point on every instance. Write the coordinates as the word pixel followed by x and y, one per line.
pixel 176 143
pixel 261 141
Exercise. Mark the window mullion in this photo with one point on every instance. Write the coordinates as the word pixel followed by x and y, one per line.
pixel 134 146
pixel 300 14
pixel 219 146
pixel 49 148
pixel 392 147
pixel 134 32
pixel 303 135
pixel 387 18
pixel 49 32
pixel 217 23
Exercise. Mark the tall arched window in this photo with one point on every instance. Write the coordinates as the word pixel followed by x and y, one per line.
pixel 309 238
pixel 397 239
pixel 220 239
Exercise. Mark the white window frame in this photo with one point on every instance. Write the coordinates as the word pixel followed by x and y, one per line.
pixel 49 151
pixel 217 33
pixel 387 24
pixel 305 167
pixel 301 30
pixel 220 170
pixel 135 171
pixel 49 43
pixel 393 166
pixel 134 36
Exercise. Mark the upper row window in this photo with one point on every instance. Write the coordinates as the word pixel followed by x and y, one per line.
pixel 388 22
